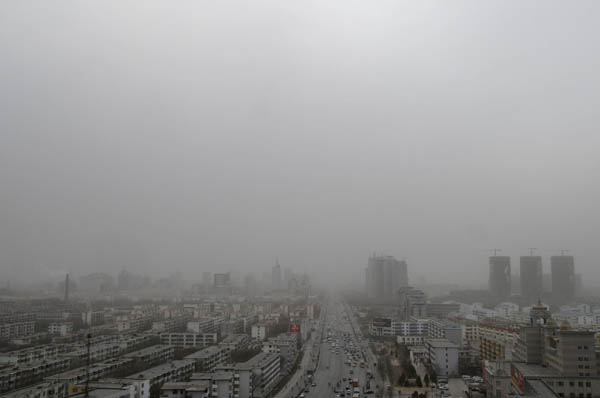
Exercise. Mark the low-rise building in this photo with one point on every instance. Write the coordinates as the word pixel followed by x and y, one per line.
pixel 97 371
pixel 60 328
pixel 178 370
pixel 153 355
pixel 235 342
pixel 188 389
pixel 17 376
pixel 207 359
pixel 188 339
pixel 98 352
pixel 221 383
pixel 41 390
pixel 411 340
pixel 286 346
pixel 259 332
pixel 25 355
pixel 256 377
pixel 443 355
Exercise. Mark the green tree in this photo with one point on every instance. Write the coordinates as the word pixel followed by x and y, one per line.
pixel 411 372
pixel 433 377
pixel 418 381
pixel 401 379
pixel 426 380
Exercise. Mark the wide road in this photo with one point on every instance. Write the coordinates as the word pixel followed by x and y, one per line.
pixel 338 347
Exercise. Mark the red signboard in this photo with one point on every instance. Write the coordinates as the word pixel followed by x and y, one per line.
pixel 518 380
pixel 294 328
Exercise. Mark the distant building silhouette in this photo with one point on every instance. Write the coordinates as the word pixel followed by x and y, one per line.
pixel 563 278
pixel 499 282
pixel 384 276
pixel 276 276
pixel 531 278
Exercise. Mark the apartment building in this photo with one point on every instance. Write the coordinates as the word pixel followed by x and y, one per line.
pixel 221 383
pixel 205 325
pixel 128 341
pixel 25 355
pixel 134 322
pixel 207 359
pixel 256 377
pixel 17 376
pixel 178 370
pixel 236 342
pixel 187 339
pixel 152 355
pixel 392 327
pixel 169 325
pixel 497 339
pixel 259 332
pixel 16 329
pixel 60 328
pixel 552 360
pixel 98 352
pixel 443 356
pixel 189 389
pixel 411 340
pixel 286 346
pixel 97 371
pixel 41 390
pixel 443 328
pixel 262 371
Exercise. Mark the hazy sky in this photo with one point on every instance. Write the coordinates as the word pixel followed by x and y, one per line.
pixel 198 135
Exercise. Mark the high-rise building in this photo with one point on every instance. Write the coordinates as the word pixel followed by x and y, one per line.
pixel 499 282
pixel 288 274
pixel 222 280
pixel 206 279
pixel 531 278
pixel 384 276
pixel 563 278
pixel 276 276
pixel 413 303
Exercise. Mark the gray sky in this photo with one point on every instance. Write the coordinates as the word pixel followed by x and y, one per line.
pixel 205 134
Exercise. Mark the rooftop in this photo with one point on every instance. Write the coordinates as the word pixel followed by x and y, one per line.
pixel 535 371
pixel 441 343
pixel 159 370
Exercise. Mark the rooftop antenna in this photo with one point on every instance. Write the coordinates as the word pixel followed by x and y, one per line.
pixel 531 249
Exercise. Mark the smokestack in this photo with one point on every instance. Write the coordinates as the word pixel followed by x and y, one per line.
pixel 67 288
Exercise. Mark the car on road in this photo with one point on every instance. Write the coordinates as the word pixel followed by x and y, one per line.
pixel 302 395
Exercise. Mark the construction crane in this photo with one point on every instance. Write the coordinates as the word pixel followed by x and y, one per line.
pixel 495 251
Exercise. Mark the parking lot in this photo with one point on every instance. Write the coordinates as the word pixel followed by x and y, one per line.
pixel 457 388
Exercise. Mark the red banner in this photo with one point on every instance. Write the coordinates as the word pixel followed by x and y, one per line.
pixel 294 328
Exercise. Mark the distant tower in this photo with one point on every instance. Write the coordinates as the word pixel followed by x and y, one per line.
pixel 563 278
pixel 67 287
pixel 499 282
pixel 276 276
pixel 384 276
pixel 531 278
